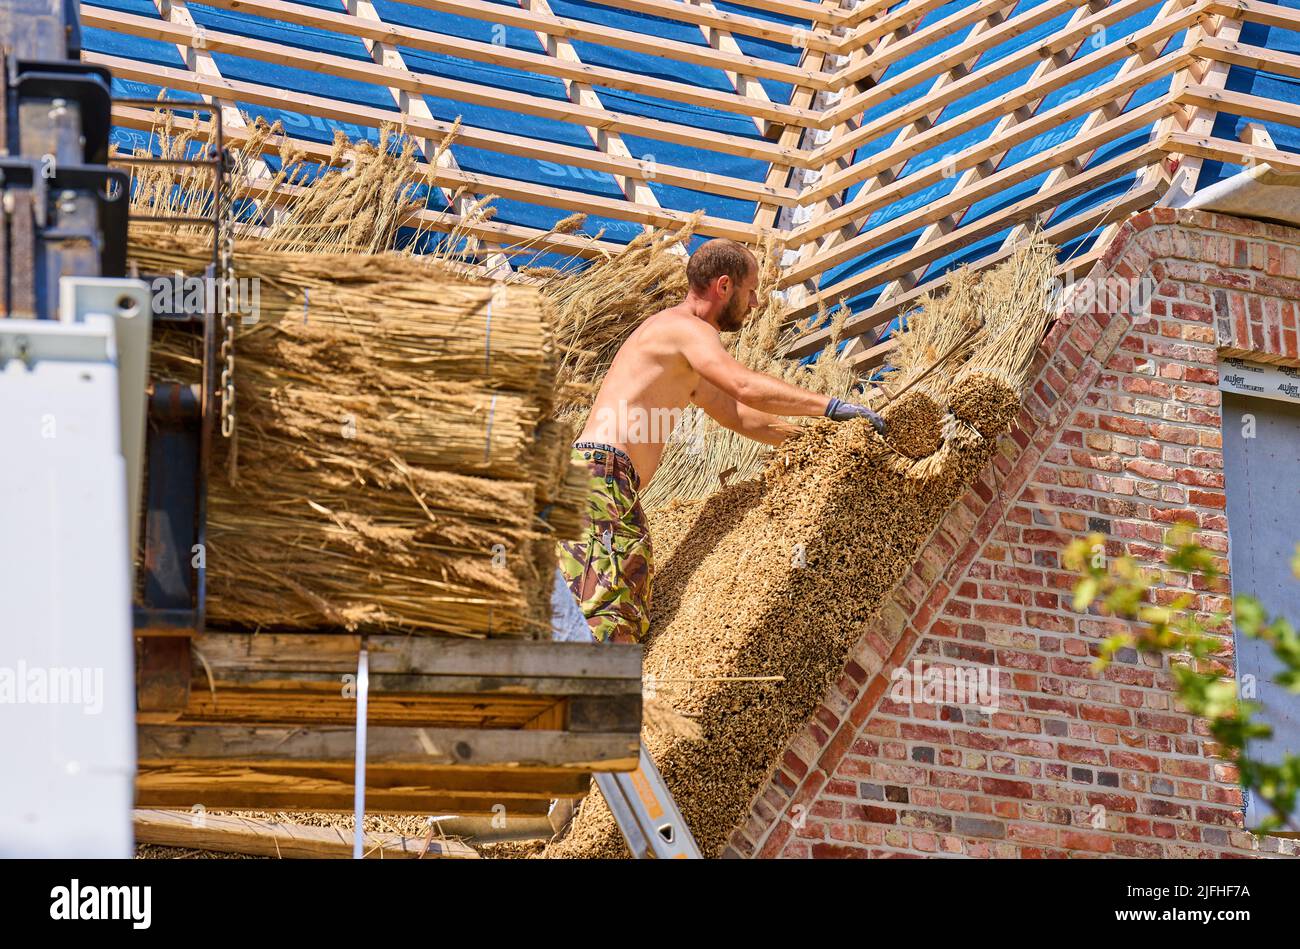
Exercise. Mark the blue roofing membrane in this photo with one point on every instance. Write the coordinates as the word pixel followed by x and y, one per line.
pixel 557 173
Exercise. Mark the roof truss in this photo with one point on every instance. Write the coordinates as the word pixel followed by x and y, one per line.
pixel 893 132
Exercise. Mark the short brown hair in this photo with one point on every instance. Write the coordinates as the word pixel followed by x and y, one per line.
pixel 716 258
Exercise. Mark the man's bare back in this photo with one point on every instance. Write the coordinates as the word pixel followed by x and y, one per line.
pixel 644 393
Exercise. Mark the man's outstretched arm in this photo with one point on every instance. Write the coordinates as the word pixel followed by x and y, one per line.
pixel 758 391
pixel 706 355
pixel 739 418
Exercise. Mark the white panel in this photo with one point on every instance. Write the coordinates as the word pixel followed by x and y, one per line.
pixel 65 611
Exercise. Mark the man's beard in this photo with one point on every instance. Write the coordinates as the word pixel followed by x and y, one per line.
pixel 733 317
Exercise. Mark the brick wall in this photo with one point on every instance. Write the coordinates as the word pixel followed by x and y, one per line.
pixel 1121 434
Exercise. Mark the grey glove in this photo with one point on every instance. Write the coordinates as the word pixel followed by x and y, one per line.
pixel 843 411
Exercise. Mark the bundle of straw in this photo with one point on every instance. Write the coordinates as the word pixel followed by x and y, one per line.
pixel 357 199
pixel 1014 300
pixel 395 448
pixel 597 306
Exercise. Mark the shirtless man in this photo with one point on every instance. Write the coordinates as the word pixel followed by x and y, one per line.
pixel 674 358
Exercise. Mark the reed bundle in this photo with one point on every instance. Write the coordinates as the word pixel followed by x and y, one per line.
pixel 940 335
pixel 914 424
pixel 356 200
pixel 395 447
pixel 1014 298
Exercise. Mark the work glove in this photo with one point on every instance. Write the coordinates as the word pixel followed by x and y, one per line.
pixel 840 411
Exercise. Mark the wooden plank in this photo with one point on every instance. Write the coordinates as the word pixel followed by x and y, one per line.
pixel 565 28
pixel 1244 54
pixel 976 190
pixel 1231 152
pixel 1139 197
pixel 419 655
pixel 995 14
pixel 791 136
pixel 946 60
pixel 450 178
pixel 447 688
pixel 993 108
pixel 912 42
pixel 519 145
pixel 413 749
pixel 285 840
pixel 164 674
pixel 310 708
pixel 709 17
pixel 468 205
pixel 635 188
pixel 1242 104
pixel 504 782
pixel 1015 213
pixel 900 19
pixel 217 787
pixel 1185 170
pixel 1257 11
pixel 1082 224
pixel 177 12
pixel 1111 109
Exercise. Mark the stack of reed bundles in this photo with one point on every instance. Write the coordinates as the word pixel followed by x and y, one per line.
pixel 396 466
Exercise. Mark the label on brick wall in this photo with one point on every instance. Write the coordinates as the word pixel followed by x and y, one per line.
pixel 1259 379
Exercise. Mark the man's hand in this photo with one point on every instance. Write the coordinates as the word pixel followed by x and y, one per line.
pixel 843 411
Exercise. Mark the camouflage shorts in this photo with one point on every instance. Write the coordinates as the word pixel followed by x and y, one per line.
pixel 611 566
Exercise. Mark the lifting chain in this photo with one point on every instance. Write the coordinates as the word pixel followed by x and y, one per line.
pixel 226 294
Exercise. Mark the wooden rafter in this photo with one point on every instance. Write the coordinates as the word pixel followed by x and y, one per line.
pixel 992 14
pixel 494 54
pixel 815 205
pixel 570 29
pixel 389 57
pixel 338 110
pixel 591 116
pixel 975 173
pixel 1072 72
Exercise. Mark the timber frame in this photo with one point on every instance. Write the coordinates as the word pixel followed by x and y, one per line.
pixel 824 189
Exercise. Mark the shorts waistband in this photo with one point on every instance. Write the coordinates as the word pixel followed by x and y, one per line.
pixel 601 446
pixel 615 453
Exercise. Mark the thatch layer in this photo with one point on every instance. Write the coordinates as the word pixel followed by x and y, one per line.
pixel 914 424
